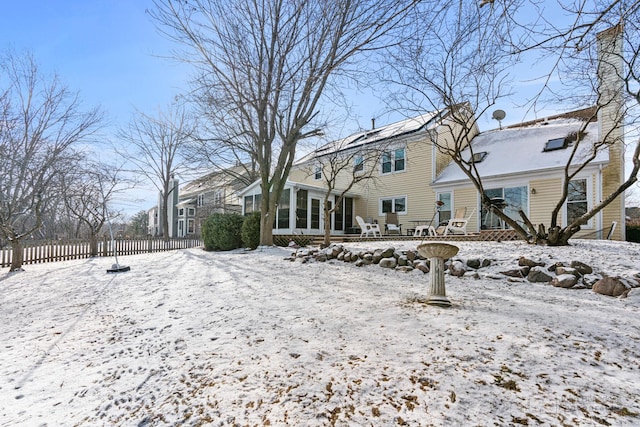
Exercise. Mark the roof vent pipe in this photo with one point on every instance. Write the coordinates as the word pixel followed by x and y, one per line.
pixel 373 123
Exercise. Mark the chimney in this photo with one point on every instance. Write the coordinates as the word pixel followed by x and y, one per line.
pixel 610 80
pixel 611 120
pixel 373 123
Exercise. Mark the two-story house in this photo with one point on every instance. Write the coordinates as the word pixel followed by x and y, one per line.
pixel 405 164
pixel 522 165
pixel 215 192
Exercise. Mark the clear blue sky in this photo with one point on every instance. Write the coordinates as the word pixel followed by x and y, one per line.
pixel 108 50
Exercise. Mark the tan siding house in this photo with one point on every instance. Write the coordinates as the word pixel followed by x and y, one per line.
pixel 521 166
pixel 400 160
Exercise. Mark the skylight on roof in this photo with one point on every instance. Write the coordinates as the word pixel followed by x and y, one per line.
pixel 556 144
pixel 478 157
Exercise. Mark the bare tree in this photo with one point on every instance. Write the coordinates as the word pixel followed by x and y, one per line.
pixel 465 59
pixel 87 193
pixel 40 122
pixel 341 168
pixel 263 67
pixel 154 145
pixel 596 58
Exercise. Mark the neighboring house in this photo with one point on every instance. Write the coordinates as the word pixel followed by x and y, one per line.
pixel 155 227
pixel 408 164
pixel 215 192
pixel 154 221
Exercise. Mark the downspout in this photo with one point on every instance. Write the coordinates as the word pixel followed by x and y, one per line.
pixel 599 198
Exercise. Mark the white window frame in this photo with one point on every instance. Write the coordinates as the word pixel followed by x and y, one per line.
pixel 191 211
pixel 317 173
pixel 565 218
pixel 358 164
pixel 393 204
pixel 180 211
pixel 391 152
pixel 200 200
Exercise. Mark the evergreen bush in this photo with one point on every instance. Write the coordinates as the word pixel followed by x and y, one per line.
pixel 251 230
pixel 222 232
pixel 633 233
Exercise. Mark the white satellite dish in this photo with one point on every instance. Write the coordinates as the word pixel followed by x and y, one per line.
pixel 499 115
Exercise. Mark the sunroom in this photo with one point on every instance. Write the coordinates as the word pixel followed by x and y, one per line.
pixel 300 209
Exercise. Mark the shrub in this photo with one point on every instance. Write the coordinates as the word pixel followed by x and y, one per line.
pixel 222 232
pixel 251 230
pixel 633 233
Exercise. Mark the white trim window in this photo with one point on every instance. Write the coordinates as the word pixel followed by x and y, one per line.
pixel 217 198
pixel 445 209
pixel 191 211
pixel 200 200
pixel 578 201
pixel 397 204
pixel 358 163
pixel 393 161
pixel 317 174
pixel 191 226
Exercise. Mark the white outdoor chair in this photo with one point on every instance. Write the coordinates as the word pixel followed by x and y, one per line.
pixel 458 225
pixel 367 227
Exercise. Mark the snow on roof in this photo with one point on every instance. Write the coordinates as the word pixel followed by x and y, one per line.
pixel 519 150
pixel 215 179
pixel 369 136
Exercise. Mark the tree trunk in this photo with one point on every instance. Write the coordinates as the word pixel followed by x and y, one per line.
pixel 164 217
pixel 560 236
pixel 93 244
pixel 327 226
pixel 18 255
pixel 266 230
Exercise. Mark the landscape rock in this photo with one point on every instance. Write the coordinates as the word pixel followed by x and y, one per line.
pixel 524 261
pixel 611 286
pixel 422 266
pixel 474 263
pixel 581 267
pixel 457 269
pixel 590 279
pixel 566 280
pixel 387 253
pixel 517 272
pixel 554 267
pixel 567 270
pixel 389 262
pixel 539 275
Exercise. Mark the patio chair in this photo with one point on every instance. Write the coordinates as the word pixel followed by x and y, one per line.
pixel 367 227
pixel 457 224
pixel 391 224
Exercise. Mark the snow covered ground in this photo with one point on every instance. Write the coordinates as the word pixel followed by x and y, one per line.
pixel 249 338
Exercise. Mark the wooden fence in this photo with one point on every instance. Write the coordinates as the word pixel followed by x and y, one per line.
pixel 61 250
